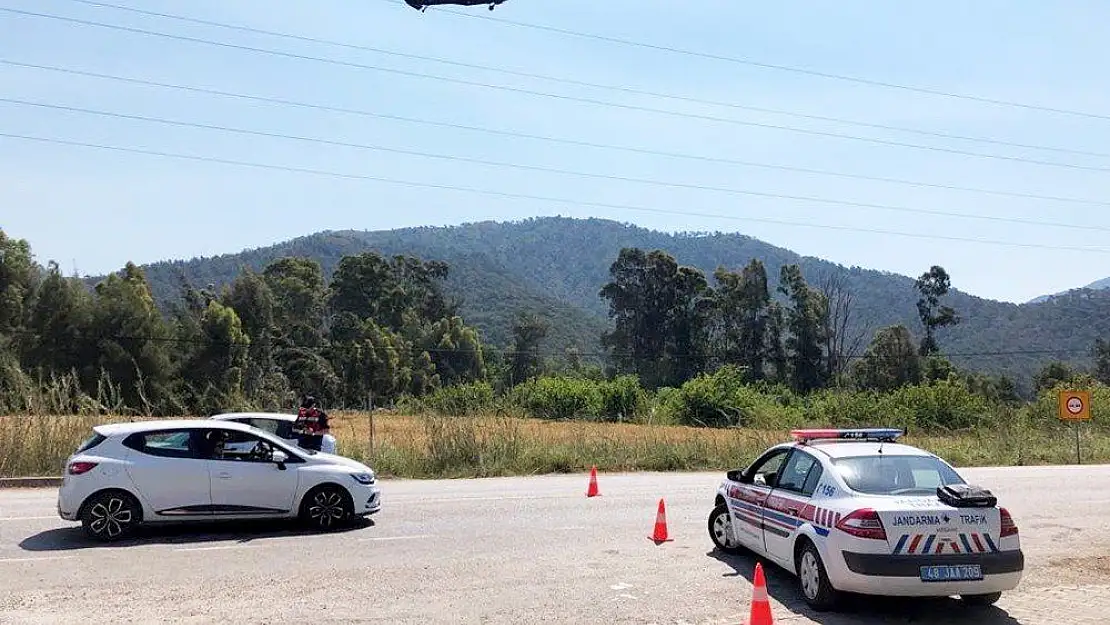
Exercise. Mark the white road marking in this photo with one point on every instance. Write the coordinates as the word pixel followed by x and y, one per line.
pixel 216 548
pixel 31 518
pixel 37 559
pixel 380 538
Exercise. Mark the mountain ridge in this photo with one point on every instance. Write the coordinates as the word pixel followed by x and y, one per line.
pixel 557 265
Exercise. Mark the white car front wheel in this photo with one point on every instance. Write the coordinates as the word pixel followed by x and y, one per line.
pixel 720 530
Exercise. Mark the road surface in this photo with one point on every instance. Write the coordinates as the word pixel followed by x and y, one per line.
pixel 515 550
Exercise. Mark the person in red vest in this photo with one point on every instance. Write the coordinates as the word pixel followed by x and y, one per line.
pixel 311 424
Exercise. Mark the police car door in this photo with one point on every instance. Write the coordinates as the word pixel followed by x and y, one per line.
pixel 789 505
pixel 746 499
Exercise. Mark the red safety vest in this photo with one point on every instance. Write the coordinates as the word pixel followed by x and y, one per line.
pixel 308 420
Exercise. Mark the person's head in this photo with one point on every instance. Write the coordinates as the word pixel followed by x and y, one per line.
pixel 308 402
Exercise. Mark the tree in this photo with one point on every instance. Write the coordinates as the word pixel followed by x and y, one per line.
pixel 933 285
pixel 843 338
pixel 58 323
pixel 1101 353
pixel 741 304
pixel 890 362
pixel 529 332
pixel 300 294
pixel 806 331
pixel 18 280
pixel 1053 374
pixel 214 373
pixel 658 308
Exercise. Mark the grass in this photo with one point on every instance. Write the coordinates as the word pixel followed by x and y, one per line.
pixel 431 446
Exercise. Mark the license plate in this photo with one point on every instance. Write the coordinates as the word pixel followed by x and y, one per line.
pixel 954 573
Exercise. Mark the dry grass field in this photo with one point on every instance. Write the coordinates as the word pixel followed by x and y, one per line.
pixel 440 446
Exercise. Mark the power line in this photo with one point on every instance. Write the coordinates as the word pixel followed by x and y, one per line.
pixel 523 196
pixel 580 83
pixel 591 101
pixel 785 68
pixel 564 141
pixel 536 168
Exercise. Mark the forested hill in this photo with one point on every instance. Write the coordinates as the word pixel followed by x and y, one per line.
pixel 556 266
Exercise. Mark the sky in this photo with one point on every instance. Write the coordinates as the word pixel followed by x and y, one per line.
pixel 724 167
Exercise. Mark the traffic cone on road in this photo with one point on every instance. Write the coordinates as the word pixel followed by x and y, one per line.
pixel 660 534
pixel 591 490
pixel 761 602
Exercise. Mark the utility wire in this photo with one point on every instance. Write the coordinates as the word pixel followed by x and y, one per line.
pixel 320 172
pixel 552 170
pixel 580 83
pixel 559 140
pixel 772 66
pixel 591 101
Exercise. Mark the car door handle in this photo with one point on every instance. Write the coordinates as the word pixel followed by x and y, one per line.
pixel 224 476
pixel 792 511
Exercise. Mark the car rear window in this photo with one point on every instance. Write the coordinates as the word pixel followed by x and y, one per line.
pixel 91 442
pixel 895 475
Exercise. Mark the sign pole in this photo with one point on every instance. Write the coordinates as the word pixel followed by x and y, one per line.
pixel 1075 406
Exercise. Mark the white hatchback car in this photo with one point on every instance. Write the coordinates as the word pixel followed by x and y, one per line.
pixel 854 511
pixel 276 423
pixel 128 474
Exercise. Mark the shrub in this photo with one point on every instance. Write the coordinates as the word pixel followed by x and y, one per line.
pixel 622 399
pixel 559 398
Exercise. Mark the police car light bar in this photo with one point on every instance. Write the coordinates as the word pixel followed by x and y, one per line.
pixel 857 434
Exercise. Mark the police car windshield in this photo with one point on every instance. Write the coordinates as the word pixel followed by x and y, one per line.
pixel 895 475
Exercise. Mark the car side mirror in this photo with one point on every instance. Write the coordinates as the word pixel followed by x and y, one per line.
pixel 279 457
pixel 735 475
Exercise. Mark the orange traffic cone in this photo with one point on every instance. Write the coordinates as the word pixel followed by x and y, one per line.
pixel 660 534
pixel 591 491
pixel 761 602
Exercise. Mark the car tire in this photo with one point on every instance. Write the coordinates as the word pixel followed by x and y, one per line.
pixel 327 508
pixel 816 589
pixel 110 516
pixel 981 601
pixel 720 530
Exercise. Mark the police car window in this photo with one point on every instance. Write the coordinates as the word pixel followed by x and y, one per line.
pixel 797 471
pixel 814 477
pixel 896 475
pixel 769 467
pixel 266 425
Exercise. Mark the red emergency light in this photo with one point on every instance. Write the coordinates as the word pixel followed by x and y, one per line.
pixel 851 434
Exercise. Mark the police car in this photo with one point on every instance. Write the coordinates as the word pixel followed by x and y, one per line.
pixel 852 510
pixel 278 424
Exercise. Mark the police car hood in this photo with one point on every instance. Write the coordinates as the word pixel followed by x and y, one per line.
pixel 926 525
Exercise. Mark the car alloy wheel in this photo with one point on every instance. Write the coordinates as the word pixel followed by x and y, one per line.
pixel 110 516
pixel 328 508
pixel 720 530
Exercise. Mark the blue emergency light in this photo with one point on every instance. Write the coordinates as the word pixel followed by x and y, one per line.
pixel 854 434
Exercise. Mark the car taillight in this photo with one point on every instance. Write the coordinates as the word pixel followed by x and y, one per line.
pixel 77 468
pixel 1009 528
pixel 864 523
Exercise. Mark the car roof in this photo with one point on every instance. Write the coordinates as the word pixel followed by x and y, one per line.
pixel 126 428
pixel 849 449
pixel 280 416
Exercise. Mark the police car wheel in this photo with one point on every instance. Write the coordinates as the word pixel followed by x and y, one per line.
pixel 814 580
pixel 720 530
pixel 981 600
pixel 327 508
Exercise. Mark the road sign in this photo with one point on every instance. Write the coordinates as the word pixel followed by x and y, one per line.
pixel 1075 405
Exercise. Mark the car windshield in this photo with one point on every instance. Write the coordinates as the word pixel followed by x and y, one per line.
pixel 896 475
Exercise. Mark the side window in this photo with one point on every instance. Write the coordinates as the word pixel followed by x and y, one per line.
pixel 285 429
pixel 236 446
pixel 815 475
pixel 266 425
pixel 796 473
pixel 165 444
pixel 766 470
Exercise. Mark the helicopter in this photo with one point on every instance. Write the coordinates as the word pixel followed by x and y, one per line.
pixel 420 5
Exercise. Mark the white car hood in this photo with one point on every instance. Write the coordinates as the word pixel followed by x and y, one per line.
pixel 339 460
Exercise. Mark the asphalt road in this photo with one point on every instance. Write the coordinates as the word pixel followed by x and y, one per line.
pixel 515 550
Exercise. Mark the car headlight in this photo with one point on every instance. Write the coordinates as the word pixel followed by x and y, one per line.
pixel 364 478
